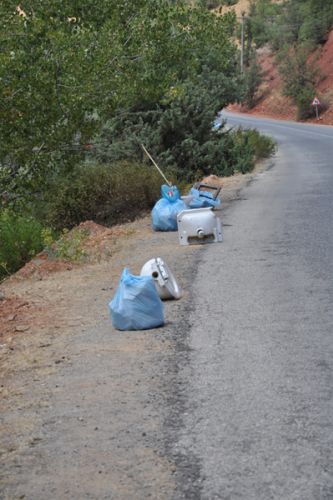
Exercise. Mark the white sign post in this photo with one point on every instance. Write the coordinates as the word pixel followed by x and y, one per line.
pixel 316 103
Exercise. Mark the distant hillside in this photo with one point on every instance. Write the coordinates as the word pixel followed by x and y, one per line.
pixel 289 47
pixel 270 100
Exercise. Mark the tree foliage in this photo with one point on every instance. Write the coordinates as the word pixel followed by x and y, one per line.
pixel 252 80
pixel 290 22
pixel 299 77
pixel 178 133
pixel 20 239
pixel 67 67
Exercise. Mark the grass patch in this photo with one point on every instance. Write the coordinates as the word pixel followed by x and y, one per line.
pixel 20 240
pixel 68 246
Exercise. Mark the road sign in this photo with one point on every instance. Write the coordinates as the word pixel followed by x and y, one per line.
pixel 316 103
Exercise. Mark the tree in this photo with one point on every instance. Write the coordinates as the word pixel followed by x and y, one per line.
pixel 67 67
pixel 317 20
pixel 261 21
pixel 176 126
pixel 252 80
pixel 299 78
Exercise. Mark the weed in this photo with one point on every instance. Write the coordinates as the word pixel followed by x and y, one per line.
pixel 69 246
pixel 20 240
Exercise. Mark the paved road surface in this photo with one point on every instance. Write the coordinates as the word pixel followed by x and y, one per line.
pixel 259 417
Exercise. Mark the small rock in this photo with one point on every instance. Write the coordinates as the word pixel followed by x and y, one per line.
pixel 2 295
pixel 21 328
pixel 12 317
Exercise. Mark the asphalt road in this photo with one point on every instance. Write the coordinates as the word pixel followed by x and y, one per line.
pixel 258 410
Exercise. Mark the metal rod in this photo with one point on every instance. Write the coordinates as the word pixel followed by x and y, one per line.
pixel 158 168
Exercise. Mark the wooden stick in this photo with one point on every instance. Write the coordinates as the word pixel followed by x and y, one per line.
pixel 158 168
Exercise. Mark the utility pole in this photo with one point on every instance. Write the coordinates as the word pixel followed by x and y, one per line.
pixel 242 43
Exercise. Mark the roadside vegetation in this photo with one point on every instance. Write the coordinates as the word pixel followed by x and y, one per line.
pixel 83 86
pixel 20 240
pixel 293 29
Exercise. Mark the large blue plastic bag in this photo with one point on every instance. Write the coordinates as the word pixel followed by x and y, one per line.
pixel 165 211
pixel 203 199
pixel 136 304
pixel 164 214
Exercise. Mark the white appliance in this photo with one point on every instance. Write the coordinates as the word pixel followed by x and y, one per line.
pixel 199 225
pixel 165 282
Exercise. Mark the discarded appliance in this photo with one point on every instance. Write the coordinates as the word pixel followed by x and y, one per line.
pixel 199 225
pixel 136 304
pixel 165 282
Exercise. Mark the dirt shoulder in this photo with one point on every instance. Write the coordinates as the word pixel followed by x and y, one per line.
pixel 88 411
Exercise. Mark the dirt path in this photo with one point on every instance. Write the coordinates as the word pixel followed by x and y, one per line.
pixel 87 411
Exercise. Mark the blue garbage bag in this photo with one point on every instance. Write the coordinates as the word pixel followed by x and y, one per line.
pixel 203 199
pixel 136 304
pixel 165 211
pixel 164 214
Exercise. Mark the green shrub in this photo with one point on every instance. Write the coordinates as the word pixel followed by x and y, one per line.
pixel 20 239
pixel 250 146
pixel 69 245
pixel 299 78
pixel 303 103
pixel 262 145
pixel 108 194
